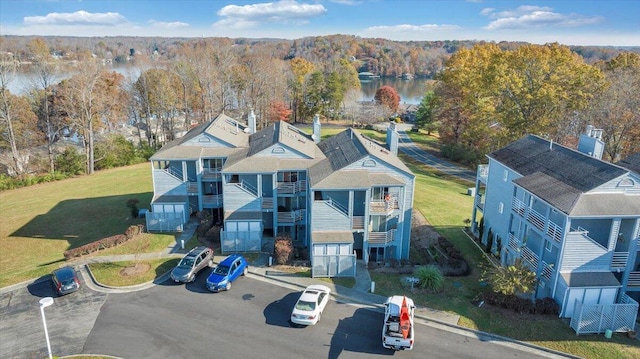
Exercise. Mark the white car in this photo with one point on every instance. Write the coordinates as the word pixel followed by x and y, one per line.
pixel 309 307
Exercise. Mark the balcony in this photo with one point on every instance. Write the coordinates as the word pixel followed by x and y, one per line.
pixel 267 204
pixel 383 206
pixel 535 218
pixel 634 280
pixel 357 222
pixel 211 173
pixel 192 188
pixel 291 187
pixel 547 271
pixel 530 258
pixel 212 200
pixel 483 173
pixel 619 261
pixel 291 217
pixel 514 243
pixel 518 206
pixel 381 237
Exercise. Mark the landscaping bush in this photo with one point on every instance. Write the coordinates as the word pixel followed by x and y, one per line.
pixel 430 277
pixel 545 306
pixel 283 249
pixel 104 243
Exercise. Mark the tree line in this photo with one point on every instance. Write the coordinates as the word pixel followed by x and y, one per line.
pixel 484 97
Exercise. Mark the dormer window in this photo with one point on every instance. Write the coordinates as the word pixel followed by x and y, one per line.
pixel 369 163
pixel 278 150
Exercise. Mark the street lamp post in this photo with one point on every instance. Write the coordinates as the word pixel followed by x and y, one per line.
pixel 45 302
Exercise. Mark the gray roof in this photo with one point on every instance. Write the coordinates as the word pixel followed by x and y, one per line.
pixel 170 199
pixel 243 216
pixel 590 279
pixel 607 204
pixel 223 128
pixel 346 148
pixel 283 133
pixel 332 237
pixel 631 162
pixel 555 173
pixel 353 179
pixel 278 133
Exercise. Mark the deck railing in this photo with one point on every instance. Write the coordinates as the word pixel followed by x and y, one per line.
pixel 381 237
pixel 291 187
pixel 547 270
pixel 634 280
pixel 619 260
pixel 530 258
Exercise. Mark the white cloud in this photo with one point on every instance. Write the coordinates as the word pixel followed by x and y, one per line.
pixel 413 28
pixel 168 25
pixel 526 16
pixel 286 11
pixel 76 18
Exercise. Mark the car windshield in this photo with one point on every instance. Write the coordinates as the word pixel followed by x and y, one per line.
pixel 186 263
pixel 305 306
pixel 222 270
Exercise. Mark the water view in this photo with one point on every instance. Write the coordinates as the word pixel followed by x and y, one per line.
pixel 410 91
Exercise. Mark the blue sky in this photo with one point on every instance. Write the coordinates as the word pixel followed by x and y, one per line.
pixel 570 22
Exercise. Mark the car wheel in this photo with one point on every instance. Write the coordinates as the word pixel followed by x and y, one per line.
pixel 245 271
pixel 228 286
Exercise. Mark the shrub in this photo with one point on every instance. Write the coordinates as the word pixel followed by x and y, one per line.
pixel 430 277
pixel 132 203
pixel 104 243
pixel 283 249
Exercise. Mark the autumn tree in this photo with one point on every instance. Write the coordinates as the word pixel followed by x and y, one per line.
pixel 278 111
pixel 300 69
pixel 617 109
pixel 17 121
pixel 86 98
pixel 388 96
pixel 489 97
pixel 45 72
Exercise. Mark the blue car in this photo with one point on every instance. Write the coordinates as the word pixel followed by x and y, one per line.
pixel 226 272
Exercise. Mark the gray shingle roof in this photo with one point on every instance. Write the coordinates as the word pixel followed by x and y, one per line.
pixel 590 279
pixel 631 162
pixel 556 173
pixel 346 148
pixel 332 237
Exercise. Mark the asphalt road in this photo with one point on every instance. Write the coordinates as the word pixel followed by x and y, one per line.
pixel 186 321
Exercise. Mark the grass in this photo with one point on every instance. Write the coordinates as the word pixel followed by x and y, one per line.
pixel 110 273
pixel 38 223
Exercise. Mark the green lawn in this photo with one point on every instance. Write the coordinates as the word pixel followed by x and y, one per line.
pixel 38 223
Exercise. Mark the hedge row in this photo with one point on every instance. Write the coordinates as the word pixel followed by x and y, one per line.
pixel 522 305
pixel 104 243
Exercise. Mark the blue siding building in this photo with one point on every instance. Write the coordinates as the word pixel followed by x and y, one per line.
pixel 572 218
pixel 342 199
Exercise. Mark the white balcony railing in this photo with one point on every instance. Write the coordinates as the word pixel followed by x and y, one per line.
pixel 634 280
pixel 291 216
pixel 555 231
pixel 619 260
pixel 530 258
pixel 291 187
pixel 547 271
pixel 381 237
pixel 518 206
pixel 535 218
pixel 357 222
pixel 514 243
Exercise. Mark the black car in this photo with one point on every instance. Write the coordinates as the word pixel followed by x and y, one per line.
pixel 65 280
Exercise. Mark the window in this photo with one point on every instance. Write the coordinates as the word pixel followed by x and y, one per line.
pixel 500 207
pixel 368 163
pixel 505 176
pixel 278 150
pixel 548 246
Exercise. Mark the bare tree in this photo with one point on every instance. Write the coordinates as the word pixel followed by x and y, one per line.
pixel 8 113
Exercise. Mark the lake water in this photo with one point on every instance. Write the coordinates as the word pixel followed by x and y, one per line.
pixel 410 91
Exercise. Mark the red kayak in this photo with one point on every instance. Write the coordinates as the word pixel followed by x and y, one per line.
pixel 405 322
